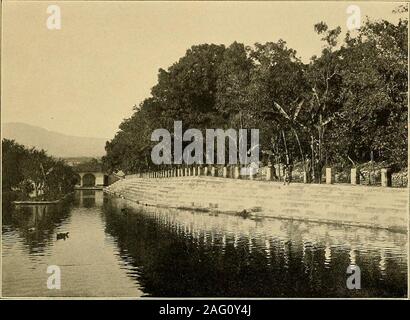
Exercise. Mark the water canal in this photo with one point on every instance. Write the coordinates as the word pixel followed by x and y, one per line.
pixel 118 249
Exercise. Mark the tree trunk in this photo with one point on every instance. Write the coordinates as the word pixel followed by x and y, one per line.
pixel 300 149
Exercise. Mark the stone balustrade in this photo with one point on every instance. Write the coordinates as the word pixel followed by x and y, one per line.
pixel 270 174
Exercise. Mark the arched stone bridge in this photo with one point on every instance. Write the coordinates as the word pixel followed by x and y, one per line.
pixel 89 179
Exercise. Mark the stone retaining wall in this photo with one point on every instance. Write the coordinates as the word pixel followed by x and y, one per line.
pixel 343 204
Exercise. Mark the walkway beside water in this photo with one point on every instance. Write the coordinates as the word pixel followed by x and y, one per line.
pixel 342 204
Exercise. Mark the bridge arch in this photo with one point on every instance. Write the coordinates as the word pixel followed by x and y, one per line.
pixel 91 179
pixel 88 180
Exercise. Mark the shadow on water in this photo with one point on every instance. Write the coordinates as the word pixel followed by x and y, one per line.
pixel 180 253
pixel 36 225
pixel 117 248
pixel 70 236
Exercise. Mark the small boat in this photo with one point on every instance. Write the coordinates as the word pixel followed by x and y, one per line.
pixel 34 202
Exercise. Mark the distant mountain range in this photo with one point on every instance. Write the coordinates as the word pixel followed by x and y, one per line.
pixel 56 144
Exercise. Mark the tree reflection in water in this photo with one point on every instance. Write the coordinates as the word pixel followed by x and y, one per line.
pixel 117 248
pixel 36 224
pixel 179 253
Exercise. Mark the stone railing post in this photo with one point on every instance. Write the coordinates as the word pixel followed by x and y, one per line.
pixel 206 170
pixel 225 172
pixel 213 171
pixel 330 176
pixel 269 173
pixel 236 172
pixel 277 171
pixel 386 176
pixel 305 177
pixel 198 170
pixel 354 176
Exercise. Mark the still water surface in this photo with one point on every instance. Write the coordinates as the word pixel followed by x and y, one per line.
pixel 118 249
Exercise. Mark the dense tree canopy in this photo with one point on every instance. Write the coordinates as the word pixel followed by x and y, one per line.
pixel 339 108
pixel 31 172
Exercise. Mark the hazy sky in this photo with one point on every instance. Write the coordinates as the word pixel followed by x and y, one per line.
pixel 85 78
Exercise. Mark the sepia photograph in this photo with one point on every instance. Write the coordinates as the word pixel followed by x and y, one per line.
pixel 204 150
